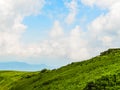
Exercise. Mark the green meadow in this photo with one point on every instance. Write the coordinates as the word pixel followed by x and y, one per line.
pixel 98 73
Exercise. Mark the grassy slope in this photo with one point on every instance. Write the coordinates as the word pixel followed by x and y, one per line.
pixel 76 76
pixel 9 78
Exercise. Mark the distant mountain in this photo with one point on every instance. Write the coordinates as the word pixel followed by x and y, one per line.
pixel 99 73
pixel 22 66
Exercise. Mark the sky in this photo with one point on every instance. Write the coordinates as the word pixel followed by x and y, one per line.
pixel 57 32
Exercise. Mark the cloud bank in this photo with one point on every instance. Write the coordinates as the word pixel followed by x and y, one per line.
pixel 103 32
pixel 12 14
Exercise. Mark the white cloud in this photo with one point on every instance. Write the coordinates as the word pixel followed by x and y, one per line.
pixel 73 46
pixel 108 24
pixel 73 9
pixel 107 40
pixel 12 14
pixel 57 30
pixel 100 3
pixel 77 44
pixel 103 31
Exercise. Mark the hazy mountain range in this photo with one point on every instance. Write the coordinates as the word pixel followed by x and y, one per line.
pixel 22 66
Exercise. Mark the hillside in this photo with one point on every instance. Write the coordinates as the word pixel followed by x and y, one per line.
pixel 99 73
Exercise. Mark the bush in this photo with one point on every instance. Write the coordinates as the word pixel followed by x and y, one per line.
pixel 44 70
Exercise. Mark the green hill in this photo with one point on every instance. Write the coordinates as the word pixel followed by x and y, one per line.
pixel 99 73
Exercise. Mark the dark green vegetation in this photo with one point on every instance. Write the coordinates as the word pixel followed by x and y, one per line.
pixel 99 73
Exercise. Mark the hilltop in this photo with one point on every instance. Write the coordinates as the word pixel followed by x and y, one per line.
pixel 98 73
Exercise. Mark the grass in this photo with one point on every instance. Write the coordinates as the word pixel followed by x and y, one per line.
pixel 85 75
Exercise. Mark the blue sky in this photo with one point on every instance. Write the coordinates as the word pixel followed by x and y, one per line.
pixel 40 25
pixel 57 32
